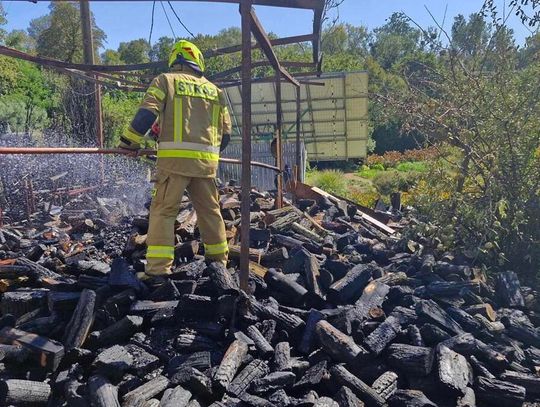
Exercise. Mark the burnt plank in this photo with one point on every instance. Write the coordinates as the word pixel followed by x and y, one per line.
pixel 453 370
pixel 229 364
pixel 102 393
pixel 24 392
pixel 273 381
pixel 415 360
pixel 373 296
pixel 81 321
pixel 346 398
pixel 530 382
pixel 410 398
pixel 386 332
pixel 260 341
pixel 46 352
pixel 177 397
pixel 337 344
pixel 433 313
pixel 508 290
pixel 350 287
pixel 313 376
pixel 386 384
pixel 282 357
pixel 495 392
pixel 117 332
pixel 254 370
pixel 309 332
pixel 145 392
pixel 345 378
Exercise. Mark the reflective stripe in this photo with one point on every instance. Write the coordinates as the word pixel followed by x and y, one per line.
pixel 197 155
pixel 158 93
pixel 178 119
pixel 160 252
pixel 168 145
pixel 225 110
pixel 216 111
pixel 132 136
pixel 218 248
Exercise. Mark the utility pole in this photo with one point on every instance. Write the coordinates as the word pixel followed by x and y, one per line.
pixel 88 49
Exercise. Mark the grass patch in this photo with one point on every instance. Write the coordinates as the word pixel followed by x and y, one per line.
pixel 331 181
pixel 412 166
pixel 369 173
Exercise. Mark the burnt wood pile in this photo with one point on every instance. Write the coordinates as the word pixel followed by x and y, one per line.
pixel 342 311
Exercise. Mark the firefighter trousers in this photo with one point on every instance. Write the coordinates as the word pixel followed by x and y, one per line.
pixel 167 196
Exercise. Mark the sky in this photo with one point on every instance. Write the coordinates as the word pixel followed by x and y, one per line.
pixel 124 21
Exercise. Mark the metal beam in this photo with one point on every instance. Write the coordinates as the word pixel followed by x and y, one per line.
pixel 262 38
pixel 301 4
pixel 289 64
pixel 279 149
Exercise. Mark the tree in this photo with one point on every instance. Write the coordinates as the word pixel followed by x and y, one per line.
pixel 60 36
pixel 472 36
pixel 111 57
pixel 3 21
pixel 161 49
pixel 395 40
pixel 19 39
pixel 134 52
pixel 38 25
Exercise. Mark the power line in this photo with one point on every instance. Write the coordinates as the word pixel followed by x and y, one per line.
pixel 152 24
pixel 179 20
pixel 169 21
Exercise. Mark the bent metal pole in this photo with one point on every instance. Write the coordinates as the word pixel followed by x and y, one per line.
pixel 120 151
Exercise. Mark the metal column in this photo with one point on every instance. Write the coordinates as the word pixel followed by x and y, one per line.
pixel 88 48
pixel 298 123
pixel 245 11
pixel 279 150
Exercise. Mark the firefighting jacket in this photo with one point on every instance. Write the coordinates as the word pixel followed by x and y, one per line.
pixel 193 118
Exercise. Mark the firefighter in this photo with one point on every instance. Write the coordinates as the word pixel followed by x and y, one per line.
pixel 195 126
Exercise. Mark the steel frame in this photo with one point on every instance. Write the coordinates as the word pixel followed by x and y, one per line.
pixel 250 25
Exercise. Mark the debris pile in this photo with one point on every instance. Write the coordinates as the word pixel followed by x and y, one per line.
pixel 341 311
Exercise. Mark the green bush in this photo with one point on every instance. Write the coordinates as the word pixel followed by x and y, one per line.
pixel 393 181
pixel 331 181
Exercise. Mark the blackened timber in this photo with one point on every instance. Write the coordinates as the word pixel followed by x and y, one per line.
pixel 509 290
pixel 518 330
pixel 350 287
pixel 529 381
pixel 313 376
pixel 291 322
pixel 146 391
pixel 453 370
pixel 415 360
pixel 186 343
pixel 117 332
pixel 285 284
pixel 307 338
pixel 311 273
pixel 386 332
pixel 432 312
pixel 273 381
pixel 223 280
pixel 337 344
pixel 275 257
pixel 46 352
pixel 260 341
pixel 346 398
pixel 373 296
pixel 24 392
pixel 81 321
pixel 468 399
pixel 282 357
pixel 177 397
pixel 467 344
pixel 361 389
pixel 229 364
pixel 102 393
pixel 254 370
pixel 386 384
pixel 410 398
pixel 495 392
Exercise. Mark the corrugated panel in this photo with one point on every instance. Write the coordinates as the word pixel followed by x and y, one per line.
pixel 336 113
pixel 261 178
